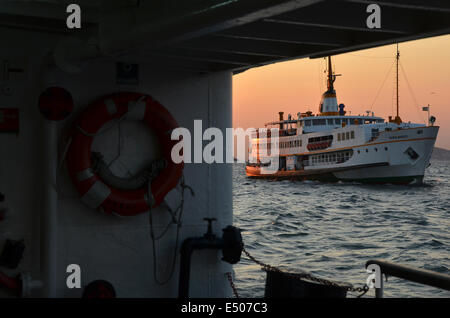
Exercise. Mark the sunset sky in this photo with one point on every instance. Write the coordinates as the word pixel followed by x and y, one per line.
pixel 294 86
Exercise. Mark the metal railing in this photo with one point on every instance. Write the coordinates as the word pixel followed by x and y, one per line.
pixel 417 275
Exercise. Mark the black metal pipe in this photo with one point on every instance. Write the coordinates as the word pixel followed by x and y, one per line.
pixel 187 248
pixel 418 275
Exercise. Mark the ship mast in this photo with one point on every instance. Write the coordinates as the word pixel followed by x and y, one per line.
pixel 331 77
pixel 397 59
pixel 328 105
pixel 397 118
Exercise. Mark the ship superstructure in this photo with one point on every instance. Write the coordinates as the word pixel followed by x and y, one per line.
pixel 333 146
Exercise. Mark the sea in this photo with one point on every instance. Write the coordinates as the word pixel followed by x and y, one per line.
pixel 332 229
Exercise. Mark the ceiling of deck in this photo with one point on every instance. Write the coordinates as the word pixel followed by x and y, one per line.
pixel 215 35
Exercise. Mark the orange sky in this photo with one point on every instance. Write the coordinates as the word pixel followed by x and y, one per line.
pixel 260 93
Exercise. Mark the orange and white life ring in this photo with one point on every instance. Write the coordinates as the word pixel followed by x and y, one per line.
pixel 93 191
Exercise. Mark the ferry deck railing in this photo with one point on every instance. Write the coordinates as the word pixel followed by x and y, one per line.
pixel 417 275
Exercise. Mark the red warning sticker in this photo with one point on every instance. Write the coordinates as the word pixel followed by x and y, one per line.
pixel 9 120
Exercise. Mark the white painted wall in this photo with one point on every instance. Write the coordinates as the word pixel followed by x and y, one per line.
pixel 108 247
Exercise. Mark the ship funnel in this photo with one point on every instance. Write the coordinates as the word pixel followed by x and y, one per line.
pixel 281 119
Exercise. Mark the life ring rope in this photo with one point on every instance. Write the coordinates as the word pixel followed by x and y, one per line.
pixel 137 181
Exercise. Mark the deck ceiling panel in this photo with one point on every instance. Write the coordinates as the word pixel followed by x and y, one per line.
pixel 298 29
pixel 212 35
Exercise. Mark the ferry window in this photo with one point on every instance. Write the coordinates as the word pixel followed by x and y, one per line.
pixel 412 154
pixel 352 121
pixel 339 137
pixel 352 134
pixel 307 122
pixel 330 122
pixel 347 135
pixel 319 122
pixel 337 121
pixel 419 132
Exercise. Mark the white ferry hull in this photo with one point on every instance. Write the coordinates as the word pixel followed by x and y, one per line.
pixel 406 171
pixel 383 161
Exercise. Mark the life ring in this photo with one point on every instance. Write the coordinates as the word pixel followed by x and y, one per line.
pixel 93 191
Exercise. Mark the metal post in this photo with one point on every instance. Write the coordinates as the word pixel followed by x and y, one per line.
pixel 379 291
pixel 49 210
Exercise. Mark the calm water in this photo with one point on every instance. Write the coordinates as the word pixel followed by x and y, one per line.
pixel 331 230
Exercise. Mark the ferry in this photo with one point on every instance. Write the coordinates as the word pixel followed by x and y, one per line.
pixel 332 146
